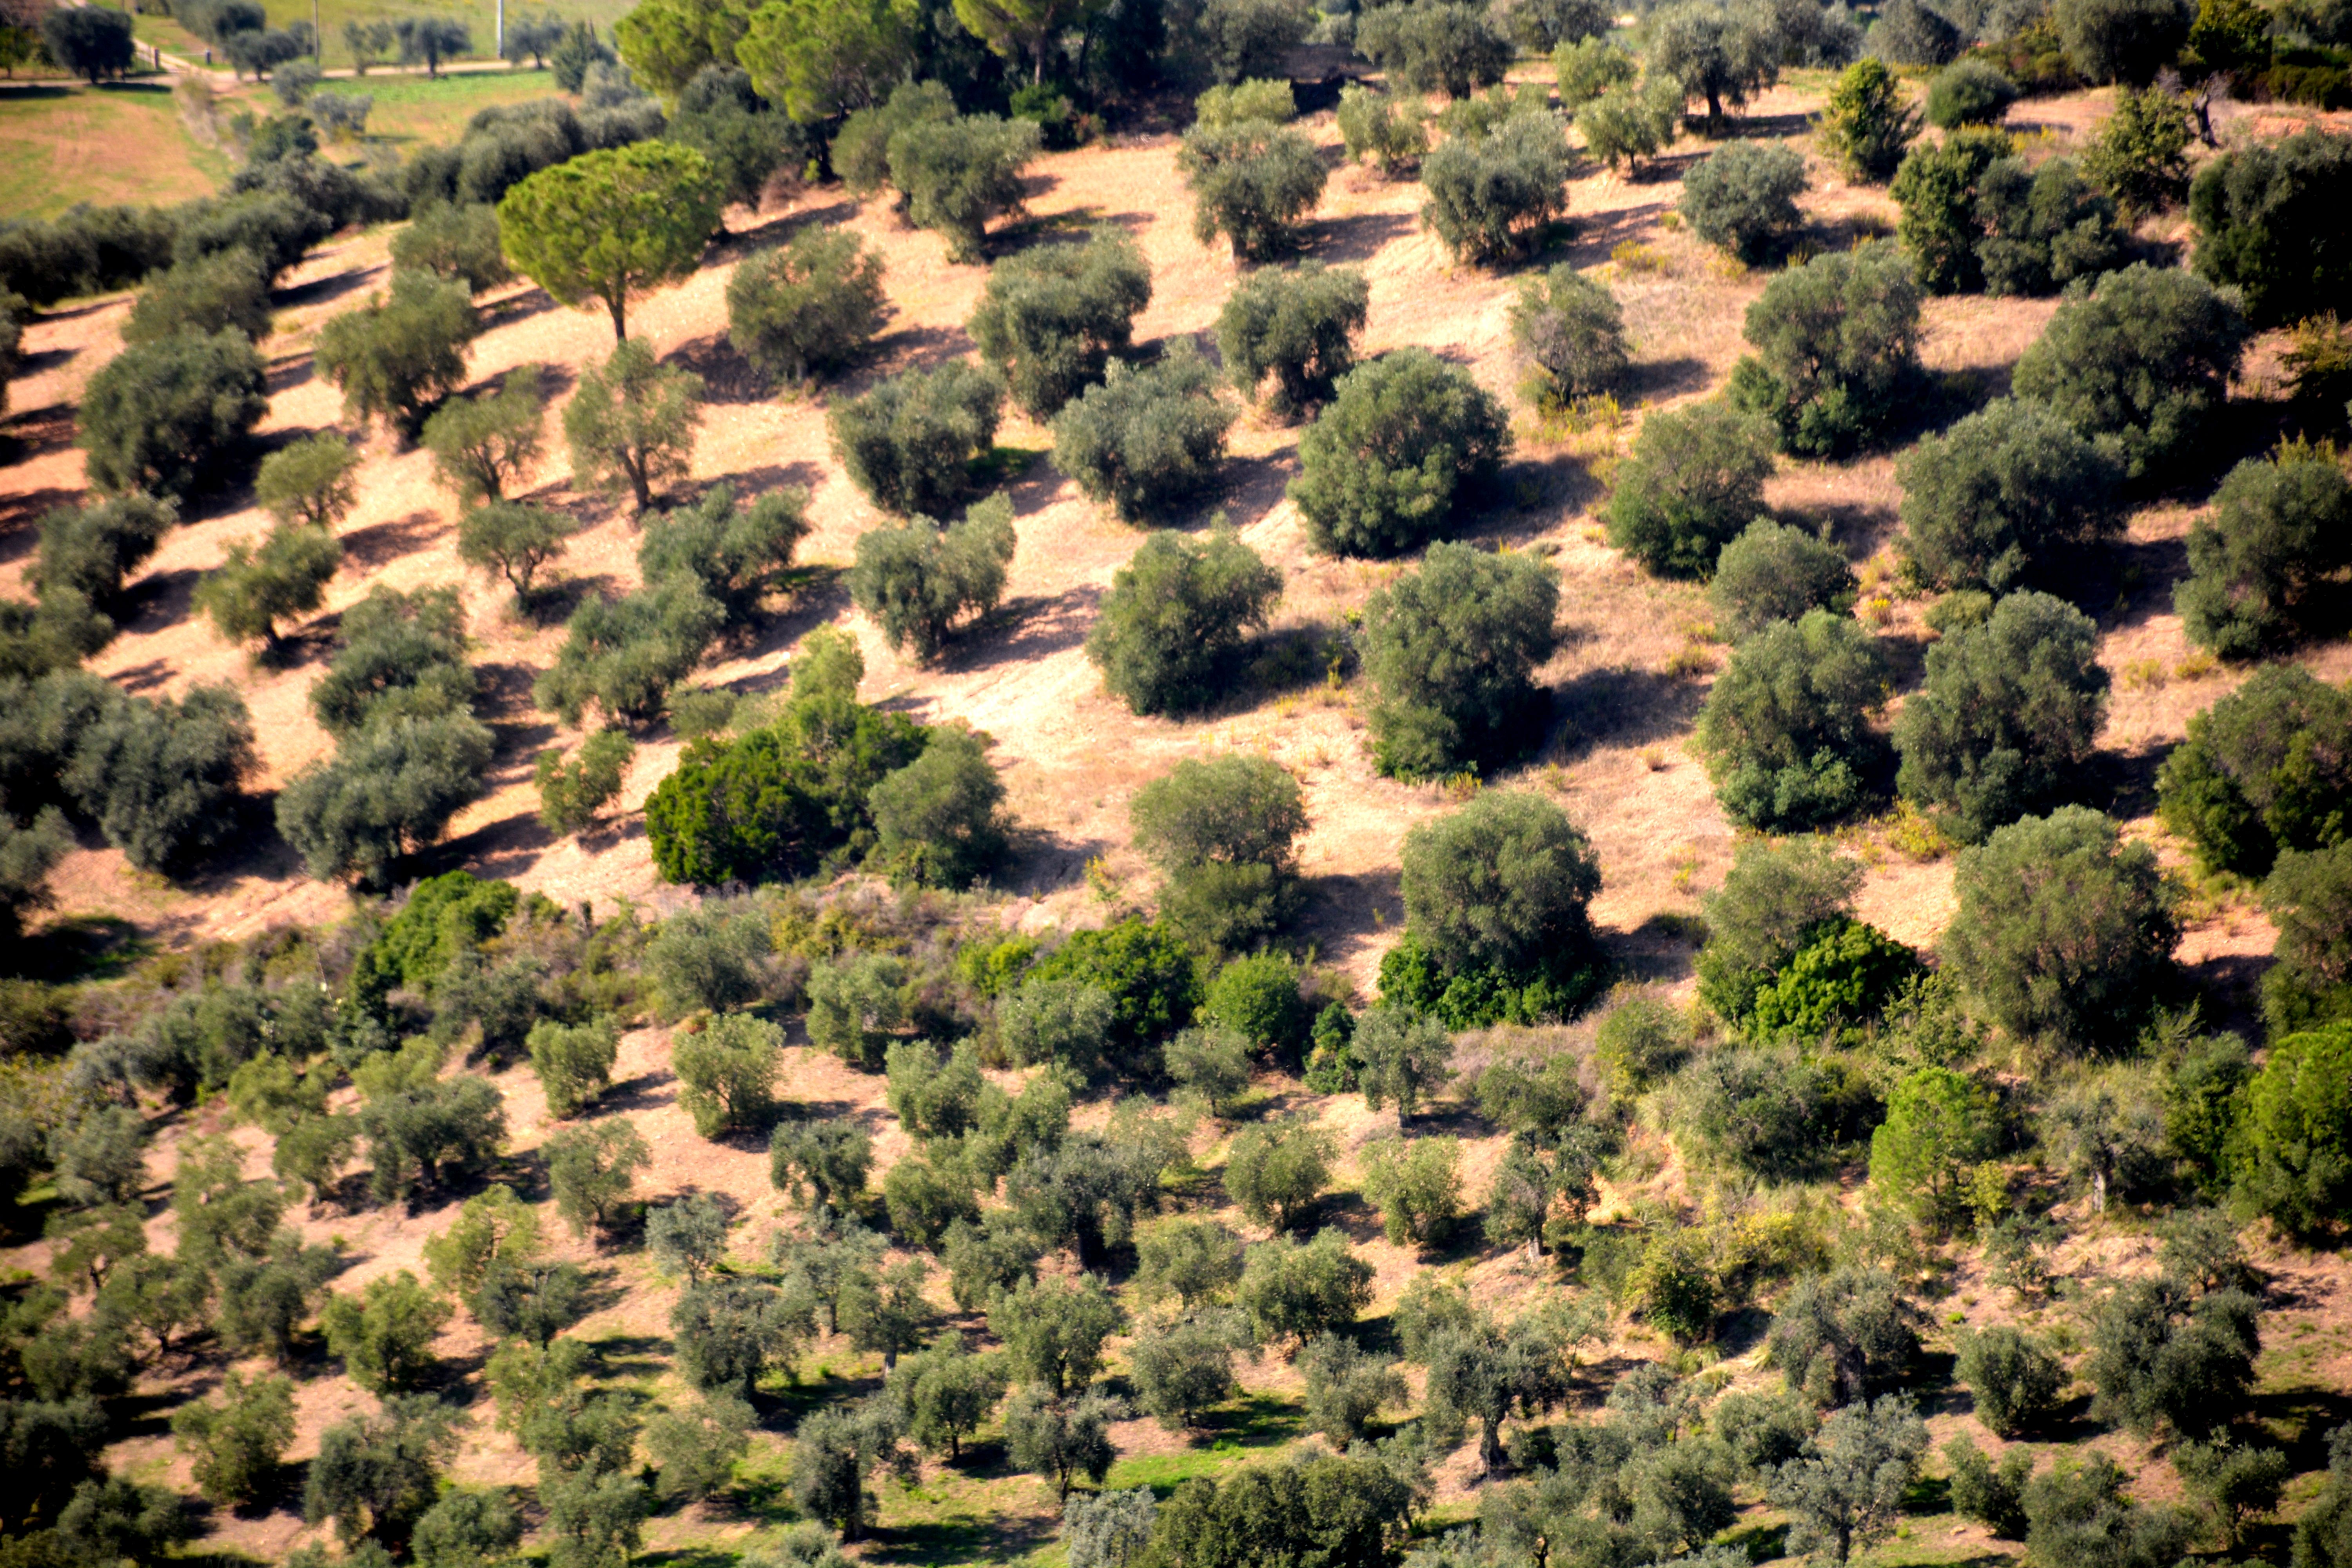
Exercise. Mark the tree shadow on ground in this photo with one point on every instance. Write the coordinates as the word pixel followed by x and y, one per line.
pixel 1343 240
pixel 727 376
pixel 1622 705
pixel 380 543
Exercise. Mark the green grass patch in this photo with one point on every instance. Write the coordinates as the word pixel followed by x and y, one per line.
pixel 480 17
pixel 422 111
pixel 123 143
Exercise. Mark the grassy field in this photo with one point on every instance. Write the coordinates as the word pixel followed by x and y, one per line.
pixel 120 142
pixel 415 111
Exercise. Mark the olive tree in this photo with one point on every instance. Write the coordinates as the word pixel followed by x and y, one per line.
pixel 308 480
pixel 2265 216
pixel 1743 197
pixel 2003 497
pixel 726 1073
pixel 1252 182
pixel 1298 326
pixel 1570 325
pixel 1051 317
pixel 1775 573
pixel 2142 360
pixel 1407 441
pixel 1503 883
pixel 391 787
pixel 2263 564
pixel 1175 622
pixel 611 224
pixel 939 821
pixel 250 592
pixel 809 307
pixel 2065 932
pixel 1837 347
pixel 919 580
pixel 1694 482
pixel 960 173
pixel 171 417
pixel 484 444
pixel 1222 834
pixel 1865 126
pixel 1491 197
pixel 2261 772
pixel 1714 51
pixel 397 357
pixel 1435 45
pixel 2308 897
pixel 1453 650
pixel 630 425
pixel 910 441
pixel 456 240
pixel 1147 439
pixel 202 295
pixel 1786 730
pixel 2010 714
pixel 1390 129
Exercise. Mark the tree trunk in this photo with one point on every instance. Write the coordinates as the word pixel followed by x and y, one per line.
pixel 1714 107
pixel 1490 1446
pixel 618 305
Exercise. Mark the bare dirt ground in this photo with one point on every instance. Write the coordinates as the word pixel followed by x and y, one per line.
pixel 1615 756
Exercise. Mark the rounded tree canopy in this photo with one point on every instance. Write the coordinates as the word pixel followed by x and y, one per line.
pixel 611 224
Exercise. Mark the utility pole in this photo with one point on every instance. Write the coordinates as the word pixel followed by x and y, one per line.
pixel 318 41
pixel 502 27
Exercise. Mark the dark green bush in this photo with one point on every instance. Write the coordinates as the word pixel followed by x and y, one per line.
pixel 809 307
pixel 1146 969
pixel 1251 182
pixel 2007 718
pixel 1432 46
pixel 910 443
pixel 1786 730
pixel 1173 625
pixel 1491 197
pixel 2139 157
pixel 1694 481
pixel 1969 92
pixel 203 297
pixel 2308 897
pixel 2265 566
pixel 1053 316
pixel 2142 361
pixel 1145 440
pixel 2267 217
pixel 173 417
pixel 2016 1381
pixel 1242 39
pixel 390 788
pixel 861 148
pixel 162 778
pixel 1407 440
pixel 720 115
pixel 1837 343
pixel 87 551
pixel 1222 835
pixel 1297 326
pixel 1453 650
pixel 1774 573
pixel 1504 883
pixel 2122 40
pixel 1772 900
pixel 1936 188
pixel 2042 227
pixel 919 580
pixel 1743 197
pixel 1570 325
pixel 2006 496
pixel 2265 769
pixel 2065 932
pixel 1865 125
pixel 1909 33
pixel 1842 979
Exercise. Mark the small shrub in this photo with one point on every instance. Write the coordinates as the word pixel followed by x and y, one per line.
pixel 1405 441
pixel 2016 1381
pixel 1265 101
pixel 1627 124
pixel 624 654
pixel 910 443
pixel 1837 344
pixel 1145 439
pixel 573 791
pixel 1258 995
pixel 1786 730
pixel 512 540
pixel 1251 182
pixel 740 555
pixel 1570 325
pixel 1864 126
pixel 1416 1183
pixel 2140 156
pixel 1490 197
pixel 1296 326
pixel 1053 316
pixel 917 581
pixel 1969 92
pixel 1694 482
pixel 1392 133
pixel 726 1073
pixel 309 481
pixel 1587 68
pixel 173 417
pixel 807 309
pixel 1174 623
pixel 2142 361
pixel 1743 197
pixel 1773 573
pixel 574 1063
pixel 249 592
